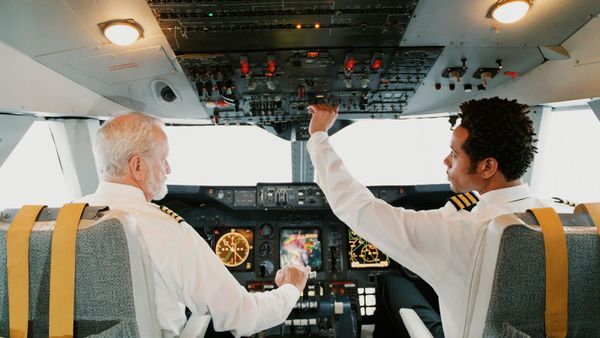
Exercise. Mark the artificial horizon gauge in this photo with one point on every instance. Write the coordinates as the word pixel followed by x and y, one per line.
pixel 232 249
pixel 268 267
pixel 265 230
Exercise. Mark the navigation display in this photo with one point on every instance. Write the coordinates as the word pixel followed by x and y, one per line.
pixel 234 247
pixel 301 246
pixel 363 255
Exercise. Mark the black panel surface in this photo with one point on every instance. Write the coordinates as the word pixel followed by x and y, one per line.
pixel 220 26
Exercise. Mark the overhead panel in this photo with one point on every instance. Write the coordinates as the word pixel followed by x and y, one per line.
pixel 263 63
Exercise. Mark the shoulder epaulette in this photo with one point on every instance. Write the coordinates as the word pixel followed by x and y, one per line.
pixel 564 201
pixel 171 213
pixel 464 201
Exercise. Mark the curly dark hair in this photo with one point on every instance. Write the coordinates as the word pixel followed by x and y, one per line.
pixel 501 129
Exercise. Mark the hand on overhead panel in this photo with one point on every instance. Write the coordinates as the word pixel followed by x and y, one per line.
pixel 323 117
pixel 293 274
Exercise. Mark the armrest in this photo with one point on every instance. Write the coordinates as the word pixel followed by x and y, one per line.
pixel 196 326
pixel 414 325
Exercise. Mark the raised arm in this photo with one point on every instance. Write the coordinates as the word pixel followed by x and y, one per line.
pixel 418 240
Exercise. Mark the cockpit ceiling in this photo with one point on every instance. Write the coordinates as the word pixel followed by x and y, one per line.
pixel 262 62
pixel 226 26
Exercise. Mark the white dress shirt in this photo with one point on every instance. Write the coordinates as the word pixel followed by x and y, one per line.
pixel 439 245
pixel 186 272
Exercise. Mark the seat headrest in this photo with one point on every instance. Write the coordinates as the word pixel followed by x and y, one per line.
pixel 567 219
pixel 91 215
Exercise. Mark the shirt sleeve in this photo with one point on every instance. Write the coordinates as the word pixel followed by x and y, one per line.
pixel 203 281
pixel 419 240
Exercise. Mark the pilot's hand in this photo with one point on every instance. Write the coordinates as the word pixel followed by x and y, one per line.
pixel 293 274
pixel 323 117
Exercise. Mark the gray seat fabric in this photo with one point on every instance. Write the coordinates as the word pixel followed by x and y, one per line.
pixel 518 291
pixel 104 296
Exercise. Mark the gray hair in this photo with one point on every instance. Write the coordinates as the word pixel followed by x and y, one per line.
pixel 120 138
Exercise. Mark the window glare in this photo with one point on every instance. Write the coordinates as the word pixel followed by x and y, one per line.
pixel 32 174
pixel 227 155
pixel 568 158
pixel 402 152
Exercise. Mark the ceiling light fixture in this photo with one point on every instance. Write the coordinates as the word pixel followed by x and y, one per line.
pixel 509 11
pixel 122 32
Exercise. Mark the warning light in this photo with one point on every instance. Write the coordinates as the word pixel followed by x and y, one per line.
pixel 349 64
pixel 511 74
pixel 271 66
pixel 299 26
pixel 244 65
pixel 376 64
pixel 313 54
pixel 317 25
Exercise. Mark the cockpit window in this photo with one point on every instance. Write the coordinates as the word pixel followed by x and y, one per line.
pixel 402 152
pixel 32 173
pixel 567 162
pixel 227 155
pixel 377 152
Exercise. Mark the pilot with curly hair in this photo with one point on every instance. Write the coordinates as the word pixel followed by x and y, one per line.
pixel 490 152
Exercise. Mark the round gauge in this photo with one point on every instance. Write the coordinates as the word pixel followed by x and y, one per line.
pixel 265 230
pixel 266 268
pixel 265 249
pixel 369 254
pixel 232 249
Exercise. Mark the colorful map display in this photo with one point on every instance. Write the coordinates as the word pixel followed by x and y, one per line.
pixel 301 246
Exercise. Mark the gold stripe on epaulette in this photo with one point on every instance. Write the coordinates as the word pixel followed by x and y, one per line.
pixel 171 213
pixel 472 197
pixel 457 203
pixel 465 201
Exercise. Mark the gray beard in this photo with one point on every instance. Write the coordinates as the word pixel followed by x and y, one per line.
pixel 159 195
pixel 158 191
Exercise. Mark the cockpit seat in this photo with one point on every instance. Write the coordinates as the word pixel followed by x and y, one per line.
pixel 113 282
pixel 508 296
pixel 511 297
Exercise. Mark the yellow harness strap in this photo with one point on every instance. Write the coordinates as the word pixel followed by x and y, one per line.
pixel 17 262
pixel 557 274
pixel 62 270
pixel 592 209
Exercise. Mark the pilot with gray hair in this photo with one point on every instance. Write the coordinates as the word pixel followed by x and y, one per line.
pixel 131 152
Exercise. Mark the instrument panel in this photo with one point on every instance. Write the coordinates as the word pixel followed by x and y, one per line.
pixel 257 230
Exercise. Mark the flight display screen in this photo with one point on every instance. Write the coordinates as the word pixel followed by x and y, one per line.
pixel 364 255
pixel 234 247
pixel 301 247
